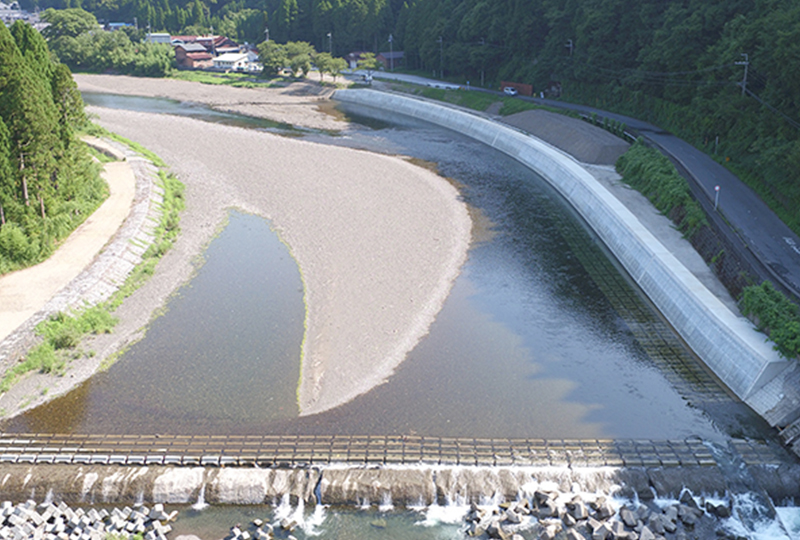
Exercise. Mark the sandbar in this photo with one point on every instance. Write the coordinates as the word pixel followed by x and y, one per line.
pixel 378 240
pixel 303 103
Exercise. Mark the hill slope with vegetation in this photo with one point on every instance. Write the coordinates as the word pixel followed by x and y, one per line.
pixel 680 65
pixel 48 184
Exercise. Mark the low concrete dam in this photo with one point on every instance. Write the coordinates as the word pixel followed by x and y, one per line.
pixel 347 470
pixel 534 488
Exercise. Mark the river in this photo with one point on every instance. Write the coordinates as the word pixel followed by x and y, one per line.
pixel 543 335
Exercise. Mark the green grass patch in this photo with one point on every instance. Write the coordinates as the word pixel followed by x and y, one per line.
pixel 654 176
pixel 62 333
pixel 477 100
pixel 775 315
pixel 239 80
pixel 100 156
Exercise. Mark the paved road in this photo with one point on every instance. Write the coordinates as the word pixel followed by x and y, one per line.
pixel 747 219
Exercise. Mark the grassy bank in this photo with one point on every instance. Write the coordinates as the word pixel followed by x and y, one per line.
pixel 649 172
pixel 774 315
pixel 471 99
pixel 62 333
pixel 653 175
pixel 239 80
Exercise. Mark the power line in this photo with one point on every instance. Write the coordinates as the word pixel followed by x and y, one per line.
pixel 664 78
pixel 666 73
pixel 792 122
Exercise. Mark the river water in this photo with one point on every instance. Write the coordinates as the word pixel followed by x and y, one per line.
pixel 543 336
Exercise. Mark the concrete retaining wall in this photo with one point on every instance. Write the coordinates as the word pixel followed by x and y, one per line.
pixel 727 343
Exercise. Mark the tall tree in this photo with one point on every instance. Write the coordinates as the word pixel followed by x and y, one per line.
pixel 29 113
pixel 68 22
pixel 7 177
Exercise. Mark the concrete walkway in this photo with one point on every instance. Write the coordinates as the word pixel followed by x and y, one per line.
pixel 25 292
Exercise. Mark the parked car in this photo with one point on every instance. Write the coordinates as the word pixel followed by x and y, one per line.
pixel 510 91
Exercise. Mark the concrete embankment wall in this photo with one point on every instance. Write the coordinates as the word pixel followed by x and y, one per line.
pixel 727 343
pixel 345 485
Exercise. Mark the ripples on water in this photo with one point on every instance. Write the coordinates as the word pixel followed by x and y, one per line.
pixel 542 335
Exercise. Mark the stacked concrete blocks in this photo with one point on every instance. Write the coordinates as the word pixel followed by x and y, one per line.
pixel 48 521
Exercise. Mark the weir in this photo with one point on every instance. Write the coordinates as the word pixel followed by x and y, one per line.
pixel 353 469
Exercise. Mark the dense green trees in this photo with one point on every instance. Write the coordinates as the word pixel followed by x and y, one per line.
pixel 352 24
pixel 297 56
pixel 47 182
pixel 673 63
pixel 77 39
pixel 113 51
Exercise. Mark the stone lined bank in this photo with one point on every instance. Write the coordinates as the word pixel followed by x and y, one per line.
pixel 727 343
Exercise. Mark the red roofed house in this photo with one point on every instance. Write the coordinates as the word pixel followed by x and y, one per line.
pixel 192 56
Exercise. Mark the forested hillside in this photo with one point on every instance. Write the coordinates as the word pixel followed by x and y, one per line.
pixel 48 184
pixel 679 64
pixel 353 24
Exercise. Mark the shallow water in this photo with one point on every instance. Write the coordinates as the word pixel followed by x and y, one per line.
pixel 542 336
pixel 183 108
pixel 433 522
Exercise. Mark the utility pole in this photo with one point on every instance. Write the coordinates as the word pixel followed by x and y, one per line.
pixel 570 46
pixel 441 57
pixel 266 32
pixel 746 63
pixel 330 43
pixel 483 60
pixel 391 53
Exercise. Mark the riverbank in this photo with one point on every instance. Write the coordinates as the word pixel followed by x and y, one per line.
pixel 86 269
pixel 301 104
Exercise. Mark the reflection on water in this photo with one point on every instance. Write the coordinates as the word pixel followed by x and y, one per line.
pixel 542 336
pixel 226 353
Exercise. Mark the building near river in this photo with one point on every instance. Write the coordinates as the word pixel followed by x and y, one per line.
pixel 242 61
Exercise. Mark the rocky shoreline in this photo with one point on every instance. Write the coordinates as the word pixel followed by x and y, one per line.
pixel 546 513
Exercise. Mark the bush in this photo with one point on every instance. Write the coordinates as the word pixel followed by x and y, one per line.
pixel 15 246
pixel 654 176
pixel 775 315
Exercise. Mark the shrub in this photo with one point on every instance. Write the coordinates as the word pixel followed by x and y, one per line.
pixel 775 315
pixel 654 176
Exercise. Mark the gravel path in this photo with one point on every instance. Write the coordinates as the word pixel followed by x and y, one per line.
pixel 378 240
